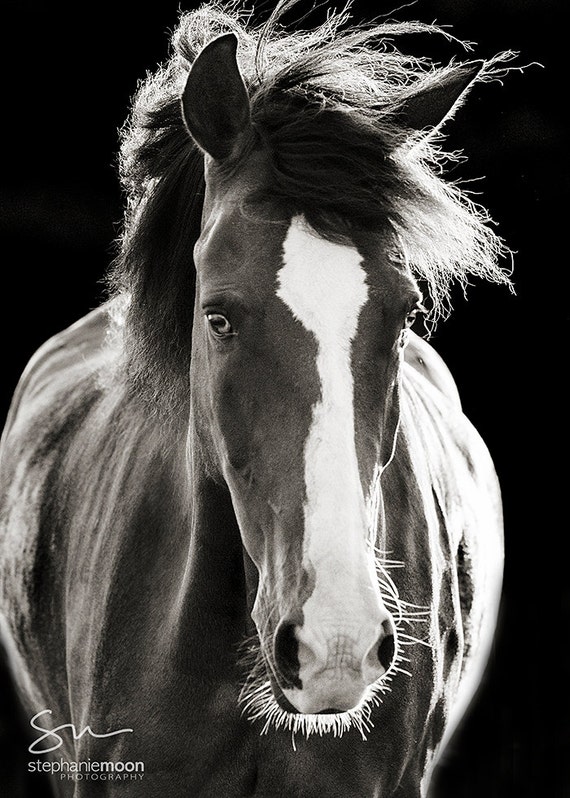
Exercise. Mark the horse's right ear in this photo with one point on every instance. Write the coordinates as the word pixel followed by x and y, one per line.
pixel 215 102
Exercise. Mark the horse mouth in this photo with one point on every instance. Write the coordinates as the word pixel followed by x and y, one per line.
pixel 288 707
pixel 280 687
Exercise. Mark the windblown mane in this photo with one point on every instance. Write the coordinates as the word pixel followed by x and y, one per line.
pixel 325 106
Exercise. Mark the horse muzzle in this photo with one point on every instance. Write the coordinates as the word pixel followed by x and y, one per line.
pixel 331 671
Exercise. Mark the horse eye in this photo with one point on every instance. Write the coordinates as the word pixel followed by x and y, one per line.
pixel 219 324
pixel 412 315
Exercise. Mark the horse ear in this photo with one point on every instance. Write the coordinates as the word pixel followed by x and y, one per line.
pixel 431 105
pixel 215 102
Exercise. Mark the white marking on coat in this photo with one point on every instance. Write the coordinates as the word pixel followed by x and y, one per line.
pixel 324 286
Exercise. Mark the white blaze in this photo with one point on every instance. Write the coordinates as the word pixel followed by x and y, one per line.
pixel 324 285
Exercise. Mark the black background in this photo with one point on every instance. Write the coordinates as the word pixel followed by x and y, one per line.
pixel 68 72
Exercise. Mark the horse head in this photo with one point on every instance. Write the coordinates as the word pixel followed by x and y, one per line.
pixel 298 343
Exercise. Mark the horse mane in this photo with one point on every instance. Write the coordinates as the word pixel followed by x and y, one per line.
pixel 324 104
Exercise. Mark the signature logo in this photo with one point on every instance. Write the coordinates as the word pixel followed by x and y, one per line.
pixel 49 735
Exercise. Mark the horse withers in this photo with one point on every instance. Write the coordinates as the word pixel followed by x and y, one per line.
pixel 251 546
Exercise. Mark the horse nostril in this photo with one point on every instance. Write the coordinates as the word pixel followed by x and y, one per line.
pixel 386 648
pixel 286 650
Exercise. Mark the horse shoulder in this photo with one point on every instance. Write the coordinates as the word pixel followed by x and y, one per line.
pixel 460 476
pixel 52 397
pixel 456 459
pixel 58 361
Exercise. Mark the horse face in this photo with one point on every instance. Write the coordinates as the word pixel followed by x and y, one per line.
pixel 296 354
pixel 297 346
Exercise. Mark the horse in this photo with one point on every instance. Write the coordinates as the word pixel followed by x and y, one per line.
pixel 250 542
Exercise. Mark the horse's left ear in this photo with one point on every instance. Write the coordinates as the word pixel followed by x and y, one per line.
pixel 215 102
pixel 432 104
